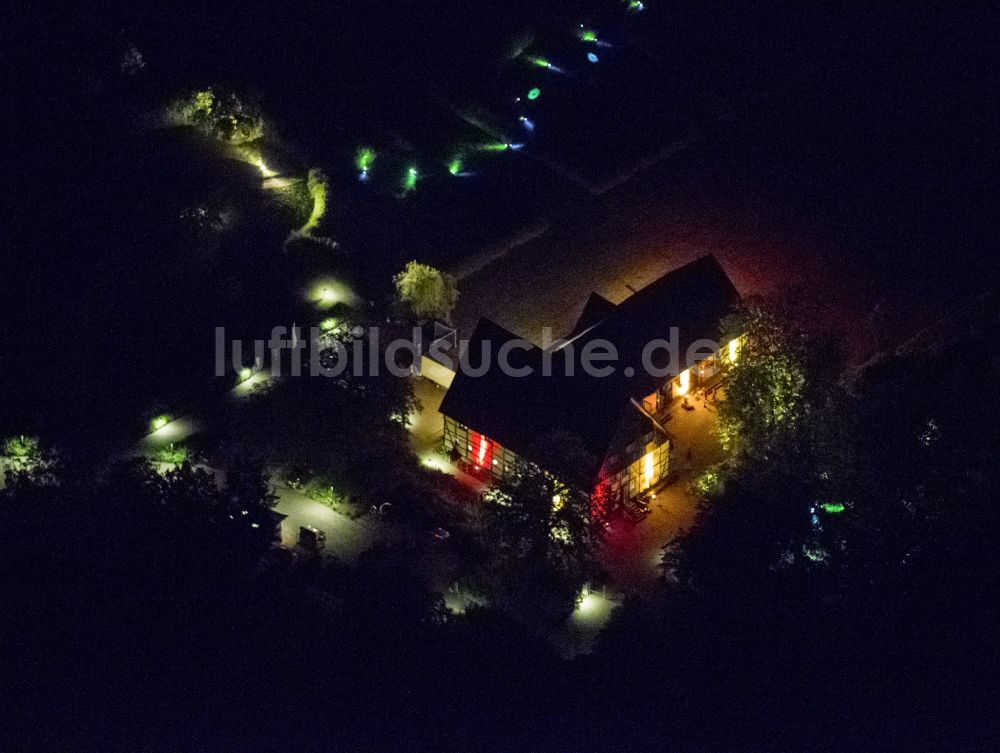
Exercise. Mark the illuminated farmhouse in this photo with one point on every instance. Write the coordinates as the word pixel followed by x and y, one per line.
pixel 492 418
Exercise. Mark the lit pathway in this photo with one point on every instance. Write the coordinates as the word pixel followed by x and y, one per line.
pixel 346 537
pixel 633 552
pixel 426 431
pixel 427 425
pixel 177 430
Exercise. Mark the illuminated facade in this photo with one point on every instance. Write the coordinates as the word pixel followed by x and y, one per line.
pixel 493 418
pixel 629 471
pixel 478 455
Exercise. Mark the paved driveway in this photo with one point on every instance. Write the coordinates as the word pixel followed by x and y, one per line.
pixel 346 537
pixel 633 552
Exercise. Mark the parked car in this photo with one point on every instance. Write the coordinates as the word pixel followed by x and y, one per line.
pixel 311 539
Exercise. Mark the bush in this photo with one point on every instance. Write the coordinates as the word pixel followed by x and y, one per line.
pixel 194 109
pixel 226 116
pixel 317 184
pixel 172 454
pixel 710 483
pixel 22 448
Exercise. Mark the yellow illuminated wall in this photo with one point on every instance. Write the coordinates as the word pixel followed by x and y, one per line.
pixel 649 469
pixel 682 385
pixel 645 472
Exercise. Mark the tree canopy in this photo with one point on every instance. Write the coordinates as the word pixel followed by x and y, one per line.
pixel 845 539
pixel 426 292
pixel 351 428
pixel 784 384
pixel 538 530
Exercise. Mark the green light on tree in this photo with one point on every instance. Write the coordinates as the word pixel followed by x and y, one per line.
pixel 364 158
pixel 534 93
pixel 328 325
pixel 588 35
pixel 410 179
pixel 455 166
pixel 833 508
pixel 326 292
pixel 22 447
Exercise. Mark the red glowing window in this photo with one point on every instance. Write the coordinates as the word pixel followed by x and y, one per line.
pixel 482 450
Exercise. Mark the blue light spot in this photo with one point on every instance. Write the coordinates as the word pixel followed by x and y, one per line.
pixel 363 176
pixel 529 125
pixel 592 57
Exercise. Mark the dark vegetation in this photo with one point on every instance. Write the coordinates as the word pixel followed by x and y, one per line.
pixel 142 617
pixel 349 430
pixel 538 542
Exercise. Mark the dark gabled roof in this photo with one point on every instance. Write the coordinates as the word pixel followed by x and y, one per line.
pixel 516 411
pixel 594 311
pixel 494 403
pixel 693 299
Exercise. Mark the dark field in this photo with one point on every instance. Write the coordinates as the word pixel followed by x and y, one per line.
pixel 870 192
pixel 846 153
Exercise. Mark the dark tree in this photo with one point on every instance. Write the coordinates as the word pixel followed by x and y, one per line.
pixel 349 428
pixel 538 530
